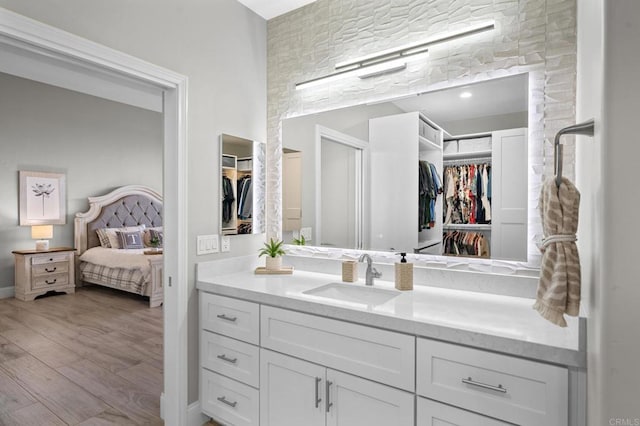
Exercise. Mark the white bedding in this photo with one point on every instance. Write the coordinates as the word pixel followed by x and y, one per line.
pixel 117 258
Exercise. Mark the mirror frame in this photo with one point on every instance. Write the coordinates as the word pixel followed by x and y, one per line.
pixel 537 170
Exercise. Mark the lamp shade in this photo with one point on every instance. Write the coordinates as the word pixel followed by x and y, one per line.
pixel 39 232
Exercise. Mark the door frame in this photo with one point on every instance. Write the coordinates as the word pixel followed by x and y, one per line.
pixel 69 56
pixel 362 181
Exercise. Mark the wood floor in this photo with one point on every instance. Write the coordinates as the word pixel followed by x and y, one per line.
pixel 90 358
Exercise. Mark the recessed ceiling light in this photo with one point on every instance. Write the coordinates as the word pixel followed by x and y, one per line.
pixel 465 95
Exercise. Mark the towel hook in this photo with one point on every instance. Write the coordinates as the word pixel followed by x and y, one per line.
pixel 585 128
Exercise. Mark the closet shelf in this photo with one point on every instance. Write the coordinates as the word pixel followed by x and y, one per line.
pixel 467 226
pixel 427 145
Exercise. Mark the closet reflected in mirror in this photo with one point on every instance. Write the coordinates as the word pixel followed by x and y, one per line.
pixel 243 186
pixel 443 172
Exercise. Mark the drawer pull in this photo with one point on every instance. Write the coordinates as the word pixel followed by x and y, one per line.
pixel 229 360
pixel 470 381
pixel 51 270
pixel 318 399
pixel 51 282
pixel 226 318
pixel 328 397
pixel 229 403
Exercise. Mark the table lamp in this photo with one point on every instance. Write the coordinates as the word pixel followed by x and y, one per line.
pixel 42 234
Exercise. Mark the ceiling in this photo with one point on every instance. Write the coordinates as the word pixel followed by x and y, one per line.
pixel 494 97
pixel 271 8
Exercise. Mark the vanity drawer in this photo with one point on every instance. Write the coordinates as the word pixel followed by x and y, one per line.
pixel 368 352
pixel 432 413
pixel 228 401
pixel 235 359
pixel 230 317
pixel 512 389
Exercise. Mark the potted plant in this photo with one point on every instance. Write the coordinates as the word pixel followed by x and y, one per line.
pixel 300 241
pixel 273 250
pixel 154 242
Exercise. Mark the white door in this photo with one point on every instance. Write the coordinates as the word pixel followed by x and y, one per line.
pixel 509 194
pixel 358 402
pixel 291 191
pixel 292 391
pixel 338 220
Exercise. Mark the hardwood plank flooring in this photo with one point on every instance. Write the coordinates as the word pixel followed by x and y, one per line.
pixel 92 358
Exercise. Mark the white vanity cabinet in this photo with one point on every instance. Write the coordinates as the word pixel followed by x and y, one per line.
pixel 296 392
pixel 229 360
pixel 515 390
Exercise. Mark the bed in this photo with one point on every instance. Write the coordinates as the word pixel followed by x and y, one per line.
pixel 126 213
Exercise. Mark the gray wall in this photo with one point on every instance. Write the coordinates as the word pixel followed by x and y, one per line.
pixel 98 144
pixel 221 46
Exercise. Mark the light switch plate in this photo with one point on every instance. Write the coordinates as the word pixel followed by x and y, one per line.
pixel 225 243
pixel 207 244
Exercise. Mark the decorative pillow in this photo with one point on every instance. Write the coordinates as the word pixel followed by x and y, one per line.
pixel 109 238
pixel 157 234
pixel 146 236
pixel 130 239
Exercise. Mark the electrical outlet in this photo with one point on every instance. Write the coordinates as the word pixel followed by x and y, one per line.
pixel 225 243
pixel 306 233
pixel 207 244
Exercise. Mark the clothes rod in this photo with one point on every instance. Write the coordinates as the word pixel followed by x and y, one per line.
pixel 465 161
pixel 586 128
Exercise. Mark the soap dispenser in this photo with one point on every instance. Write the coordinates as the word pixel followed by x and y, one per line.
pixel 404 274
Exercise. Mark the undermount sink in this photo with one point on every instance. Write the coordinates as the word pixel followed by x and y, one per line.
pixel 353 293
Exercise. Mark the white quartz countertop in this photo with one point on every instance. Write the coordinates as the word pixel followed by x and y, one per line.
pixel 503 324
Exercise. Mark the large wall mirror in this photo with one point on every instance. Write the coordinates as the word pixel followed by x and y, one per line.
pixel 443 173
pixel 243 186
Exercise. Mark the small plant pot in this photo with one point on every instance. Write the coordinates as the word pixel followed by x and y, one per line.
pixel 273 263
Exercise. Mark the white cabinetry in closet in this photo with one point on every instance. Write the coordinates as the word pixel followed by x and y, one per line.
pixel 397 143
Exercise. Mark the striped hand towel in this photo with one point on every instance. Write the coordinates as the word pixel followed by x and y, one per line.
pixel 559 284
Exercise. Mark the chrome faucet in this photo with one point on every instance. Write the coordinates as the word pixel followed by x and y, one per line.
pixel 371 271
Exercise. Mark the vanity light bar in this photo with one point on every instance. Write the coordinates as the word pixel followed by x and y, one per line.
pixel 392 60
pixel 416 48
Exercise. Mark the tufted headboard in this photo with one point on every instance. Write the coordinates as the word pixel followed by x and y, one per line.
pixel 125 206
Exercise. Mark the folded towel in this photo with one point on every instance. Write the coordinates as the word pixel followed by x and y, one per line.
pixel 559 284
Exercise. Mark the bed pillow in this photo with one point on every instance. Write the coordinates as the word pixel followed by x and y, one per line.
pixel 109 238
pixel 130 239
pixel 146 235
pixel 159 234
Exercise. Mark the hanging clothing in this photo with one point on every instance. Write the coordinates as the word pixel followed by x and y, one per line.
pixel 461 243
pixel 559 284
pixel 429 186
pixel 228 198
pixel 467 191
pixel 245 197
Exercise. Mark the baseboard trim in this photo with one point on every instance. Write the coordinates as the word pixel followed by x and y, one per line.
pixel 194 414
pixel 7 292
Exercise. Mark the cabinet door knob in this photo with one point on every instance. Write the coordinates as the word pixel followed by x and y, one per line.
pixel 226 318
pixel 229 403
pixel 318 399
pixel 227 359
pixel 470 381
pixel 328 396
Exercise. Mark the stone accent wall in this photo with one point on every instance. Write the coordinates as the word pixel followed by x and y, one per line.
pixel 535 36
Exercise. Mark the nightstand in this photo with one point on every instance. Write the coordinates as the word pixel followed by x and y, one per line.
pixel 38 272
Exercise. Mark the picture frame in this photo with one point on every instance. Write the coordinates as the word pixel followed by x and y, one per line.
pixel 42 198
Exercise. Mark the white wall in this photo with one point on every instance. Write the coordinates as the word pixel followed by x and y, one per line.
pixel 221 47
pixel 609 90
pixel 514 120
pixel 98 144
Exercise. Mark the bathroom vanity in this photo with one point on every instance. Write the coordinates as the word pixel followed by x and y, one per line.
pixel 306 349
